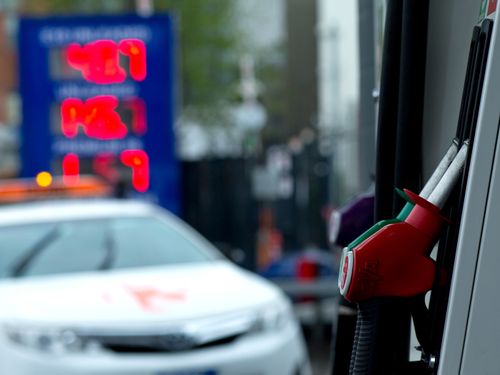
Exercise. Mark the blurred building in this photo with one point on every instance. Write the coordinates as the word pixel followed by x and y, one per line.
pixel 302 77
pixel 9 109
pixel 346 81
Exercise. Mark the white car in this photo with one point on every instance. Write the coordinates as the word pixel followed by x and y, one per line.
pixel 115 288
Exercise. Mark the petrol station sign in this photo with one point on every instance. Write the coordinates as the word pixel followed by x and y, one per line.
pixel 98 98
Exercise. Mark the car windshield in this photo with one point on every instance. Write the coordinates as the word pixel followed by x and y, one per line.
pixel 88 245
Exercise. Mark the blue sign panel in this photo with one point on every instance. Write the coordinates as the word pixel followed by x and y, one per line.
pixel 98 97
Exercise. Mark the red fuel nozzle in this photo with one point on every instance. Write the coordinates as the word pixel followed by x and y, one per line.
pixel 394 261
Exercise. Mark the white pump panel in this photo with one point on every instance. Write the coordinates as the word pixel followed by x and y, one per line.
pixel 471 341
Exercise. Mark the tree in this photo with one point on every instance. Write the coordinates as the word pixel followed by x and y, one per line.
pixel 209 52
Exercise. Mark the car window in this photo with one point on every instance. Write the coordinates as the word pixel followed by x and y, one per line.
pixel 147 242
pixel 15 241
pixel 87 245
pixel 78 246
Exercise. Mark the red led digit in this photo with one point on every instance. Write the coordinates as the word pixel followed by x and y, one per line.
pixel 71 169
pixel 71 116
pixel 138 161
pixel 97 116
pixel 101 120
pixel 139 122
pixel 103 166
pixel 135 49
pixel 98 61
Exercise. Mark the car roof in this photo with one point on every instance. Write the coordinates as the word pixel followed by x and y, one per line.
pixel 62 210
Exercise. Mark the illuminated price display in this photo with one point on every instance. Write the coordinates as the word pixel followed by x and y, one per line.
pixel 97 98
pixel 99 61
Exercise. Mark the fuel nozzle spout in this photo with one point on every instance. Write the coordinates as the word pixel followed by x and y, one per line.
pixel 426 213
pixel 440 169
pixel 443 189
pixel 391 259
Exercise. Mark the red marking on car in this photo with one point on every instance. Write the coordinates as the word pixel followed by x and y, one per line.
pixel 149 298
pixel 106 297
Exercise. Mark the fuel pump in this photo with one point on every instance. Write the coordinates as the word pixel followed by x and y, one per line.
pixel 390 263
pixel 391 259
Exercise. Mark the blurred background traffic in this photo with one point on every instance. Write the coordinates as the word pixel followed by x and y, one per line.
pixel 251 120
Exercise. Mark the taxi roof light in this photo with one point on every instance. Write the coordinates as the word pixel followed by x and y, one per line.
pixel 46 186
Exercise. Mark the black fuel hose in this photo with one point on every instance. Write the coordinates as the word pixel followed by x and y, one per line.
pixel 381 342
pixel 366 334
pixel 365 337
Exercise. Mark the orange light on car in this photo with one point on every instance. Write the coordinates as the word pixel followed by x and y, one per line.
pixel 44 179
